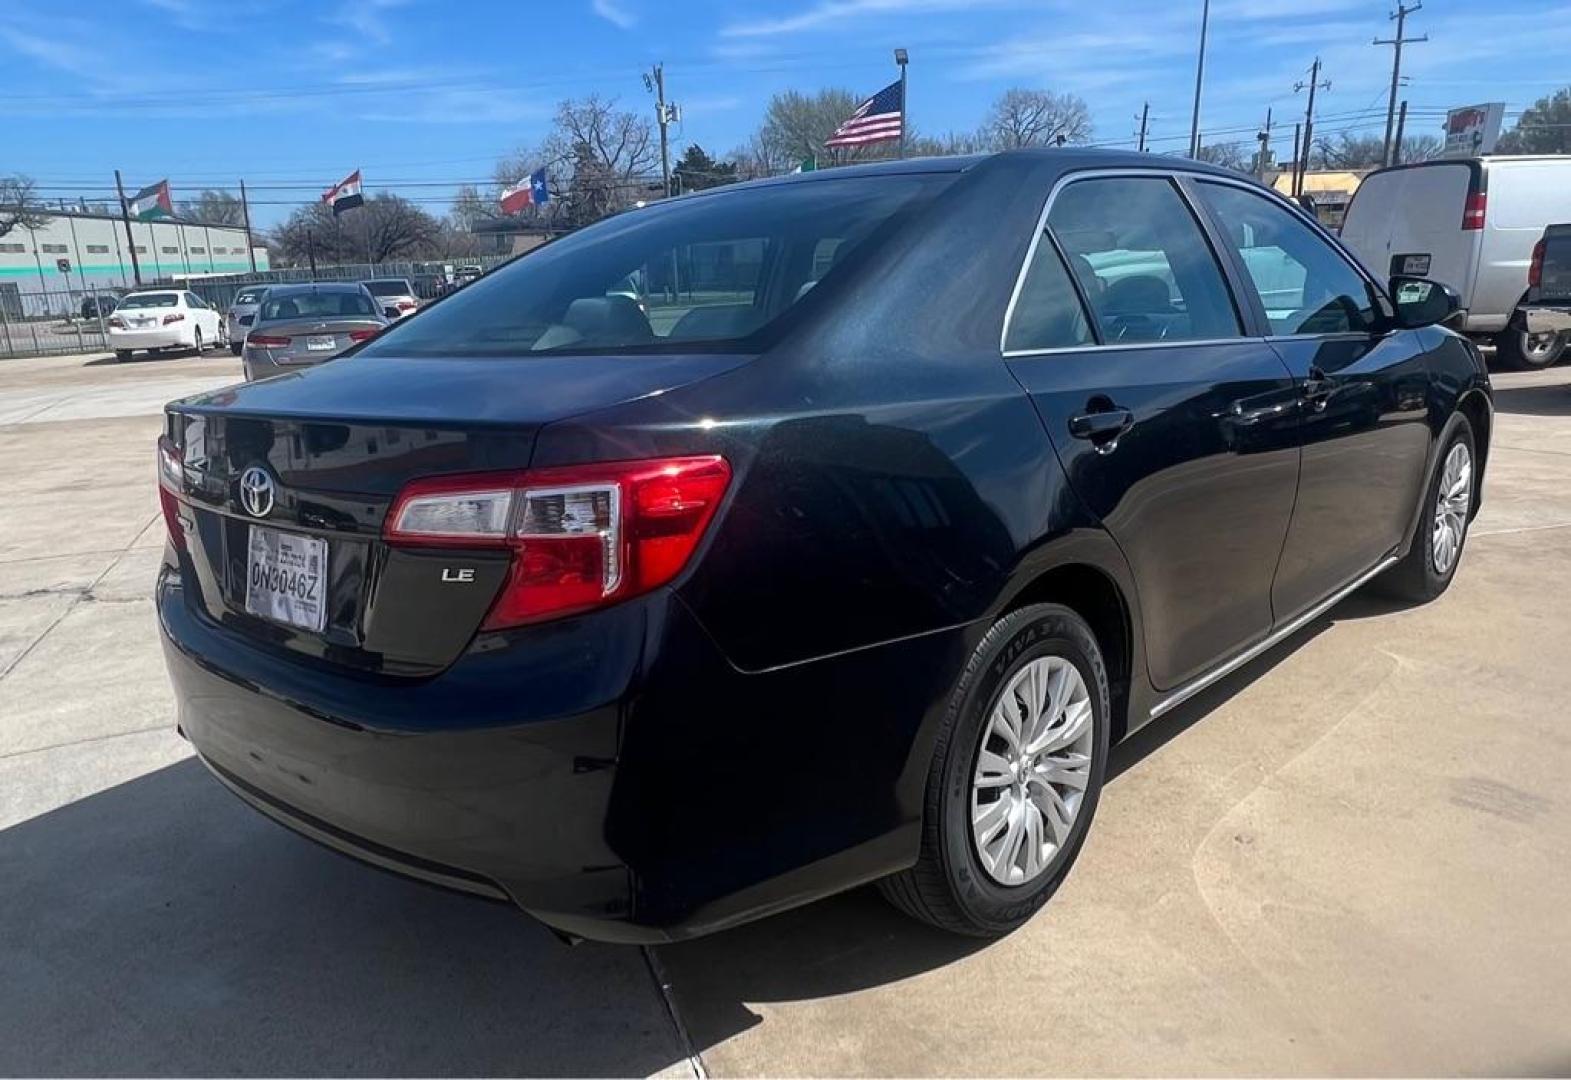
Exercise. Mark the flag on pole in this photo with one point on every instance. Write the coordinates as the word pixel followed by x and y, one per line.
pixel 531 191
pixel 877 119
pixel 152 202
pixel 345 195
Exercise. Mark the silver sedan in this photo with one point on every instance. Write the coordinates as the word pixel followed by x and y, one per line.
pixel 300 325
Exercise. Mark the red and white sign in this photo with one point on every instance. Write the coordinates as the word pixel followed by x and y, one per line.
pixel 1474 129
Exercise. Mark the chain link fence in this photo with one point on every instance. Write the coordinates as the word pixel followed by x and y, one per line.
pixel 57 322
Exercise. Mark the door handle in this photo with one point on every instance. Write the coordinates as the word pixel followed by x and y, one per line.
pixel 1317 389
pixel 1102 428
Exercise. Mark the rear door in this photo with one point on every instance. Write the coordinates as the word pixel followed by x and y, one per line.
pixel 1364 404
pixel 1408 220
pixel 1174 426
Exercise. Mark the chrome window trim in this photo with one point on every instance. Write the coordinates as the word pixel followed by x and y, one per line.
pixel 1129 346
pixel 1170 174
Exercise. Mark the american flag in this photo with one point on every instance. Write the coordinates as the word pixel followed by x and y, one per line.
pixel 878 118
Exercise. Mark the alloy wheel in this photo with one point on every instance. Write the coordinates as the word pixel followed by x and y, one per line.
pixel 1032 769
pixel 1452 501
pixel 1537 347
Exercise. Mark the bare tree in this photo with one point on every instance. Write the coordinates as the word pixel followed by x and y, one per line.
pixel 469 209
pixel 1349 151
pixel 17 208
pixel 214 208
pixel 1229 155
pixel 1035 118
pixel 598 159
pixel 796 126
pixel 385 227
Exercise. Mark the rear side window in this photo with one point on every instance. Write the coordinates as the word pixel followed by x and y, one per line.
pixel 1147 270
pixel 720 267
pixel 309 305
pixel 1047 313
pixel 389 288
pixel 1305 286
pixel 248 296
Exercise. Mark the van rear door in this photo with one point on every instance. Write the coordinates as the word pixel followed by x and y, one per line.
pixel 1408 220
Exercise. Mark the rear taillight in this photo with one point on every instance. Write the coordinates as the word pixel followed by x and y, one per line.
pixel 363 335
pixel 171 485
pixel 1535 266
pixel 177 316
pixel 1473 212
pixel 407 305
pixel 117 322
pixel 581 537
pixel 266 341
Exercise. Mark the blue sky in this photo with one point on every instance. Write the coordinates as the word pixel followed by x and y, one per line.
pixel 293 95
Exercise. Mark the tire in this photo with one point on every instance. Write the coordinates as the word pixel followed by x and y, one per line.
pixel 1520 351
pixel 196 343
pixel 122 355
pixel 952 886
pixel 1429 565
pixel 234 350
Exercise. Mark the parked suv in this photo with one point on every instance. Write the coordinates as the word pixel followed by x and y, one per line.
pixel 907 491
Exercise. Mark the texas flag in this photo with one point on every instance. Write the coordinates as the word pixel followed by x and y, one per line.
pixel 531 192
pixel 345 195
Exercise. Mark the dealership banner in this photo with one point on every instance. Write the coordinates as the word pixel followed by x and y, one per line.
pixel 1474 129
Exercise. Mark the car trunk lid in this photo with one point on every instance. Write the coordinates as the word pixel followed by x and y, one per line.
pixel 332 446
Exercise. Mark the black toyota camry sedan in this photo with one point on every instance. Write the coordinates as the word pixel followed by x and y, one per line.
pixel 751 546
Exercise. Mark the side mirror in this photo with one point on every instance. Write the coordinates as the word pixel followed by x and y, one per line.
pixel 1422 302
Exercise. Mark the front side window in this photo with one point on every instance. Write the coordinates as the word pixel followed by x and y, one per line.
pixel 722 266
pixel 1303 284
pixel 1146 268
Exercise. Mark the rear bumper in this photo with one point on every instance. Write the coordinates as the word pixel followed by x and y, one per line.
pixel 636 788
pixel 259 366
pixel 1543 319
pixel 161 338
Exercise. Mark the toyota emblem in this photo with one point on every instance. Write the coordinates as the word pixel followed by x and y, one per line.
pixel 256 491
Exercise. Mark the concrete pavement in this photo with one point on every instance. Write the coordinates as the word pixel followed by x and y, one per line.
pixel 1350 857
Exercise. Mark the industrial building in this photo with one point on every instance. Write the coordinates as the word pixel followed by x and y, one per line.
pixel 85 252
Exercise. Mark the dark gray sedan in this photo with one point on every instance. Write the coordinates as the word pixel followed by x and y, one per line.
pixel 300 325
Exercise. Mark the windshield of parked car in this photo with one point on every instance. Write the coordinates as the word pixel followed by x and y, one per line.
pixel 248 296
pixel 308 305
pixel 154 299
pixel 720 267
pixel 389 288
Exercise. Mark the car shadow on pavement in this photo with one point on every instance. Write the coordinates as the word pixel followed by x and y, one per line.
pixel 162 928
pixel 111 360
pixel 1541 399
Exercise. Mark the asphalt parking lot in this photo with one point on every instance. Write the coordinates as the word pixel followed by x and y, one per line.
pixel 1352 856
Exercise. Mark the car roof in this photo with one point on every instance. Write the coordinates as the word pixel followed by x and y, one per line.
pixel 312 287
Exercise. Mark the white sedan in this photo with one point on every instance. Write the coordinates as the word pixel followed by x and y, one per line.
pixel 165 319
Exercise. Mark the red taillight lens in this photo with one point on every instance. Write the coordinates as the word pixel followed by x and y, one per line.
pixel 363 335
pixel 1473 212
pixel 266 341
pixel 177 316
pixel 117 322
pixel 407 305
pixel 581 536
pixel 1535 266
pixel 171 485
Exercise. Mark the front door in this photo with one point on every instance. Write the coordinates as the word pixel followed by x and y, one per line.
pixel 1364 406
pixel 1175 429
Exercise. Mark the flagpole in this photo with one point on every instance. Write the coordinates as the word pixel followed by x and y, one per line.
pixel 901 56
pixel 125 216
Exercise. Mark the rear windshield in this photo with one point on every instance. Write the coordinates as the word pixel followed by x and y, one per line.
pixel 720 267
pixel 310 305
pixel 248 296
pixel 389 288
pixel 152 299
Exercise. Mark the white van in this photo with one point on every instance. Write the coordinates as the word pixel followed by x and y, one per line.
pixel 1470 223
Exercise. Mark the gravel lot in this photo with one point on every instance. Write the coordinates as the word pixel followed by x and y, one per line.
pixel 1353 856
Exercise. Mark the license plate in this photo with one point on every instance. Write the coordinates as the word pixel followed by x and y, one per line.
pixel 286 578
pixel 1415 265
pixel 321 343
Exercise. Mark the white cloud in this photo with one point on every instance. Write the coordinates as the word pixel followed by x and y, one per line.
pixel 370 19
pixel 832 12
pixel 614 13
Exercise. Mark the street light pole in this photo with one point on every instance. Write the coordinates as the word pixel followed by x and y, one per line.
pixel 901 56
pixel 1200 74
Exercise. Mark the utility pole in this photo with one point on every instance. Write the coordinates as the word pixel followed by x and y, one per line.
pixel 125 216
pixel 1200 74
pixel 1265 147
pixel 1401 14
pixel 245 210
pixel 901 56
pixel 1292 184
pixel 664 115
pixel 1309 115
pixel 1401 123
pixel 1145 116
